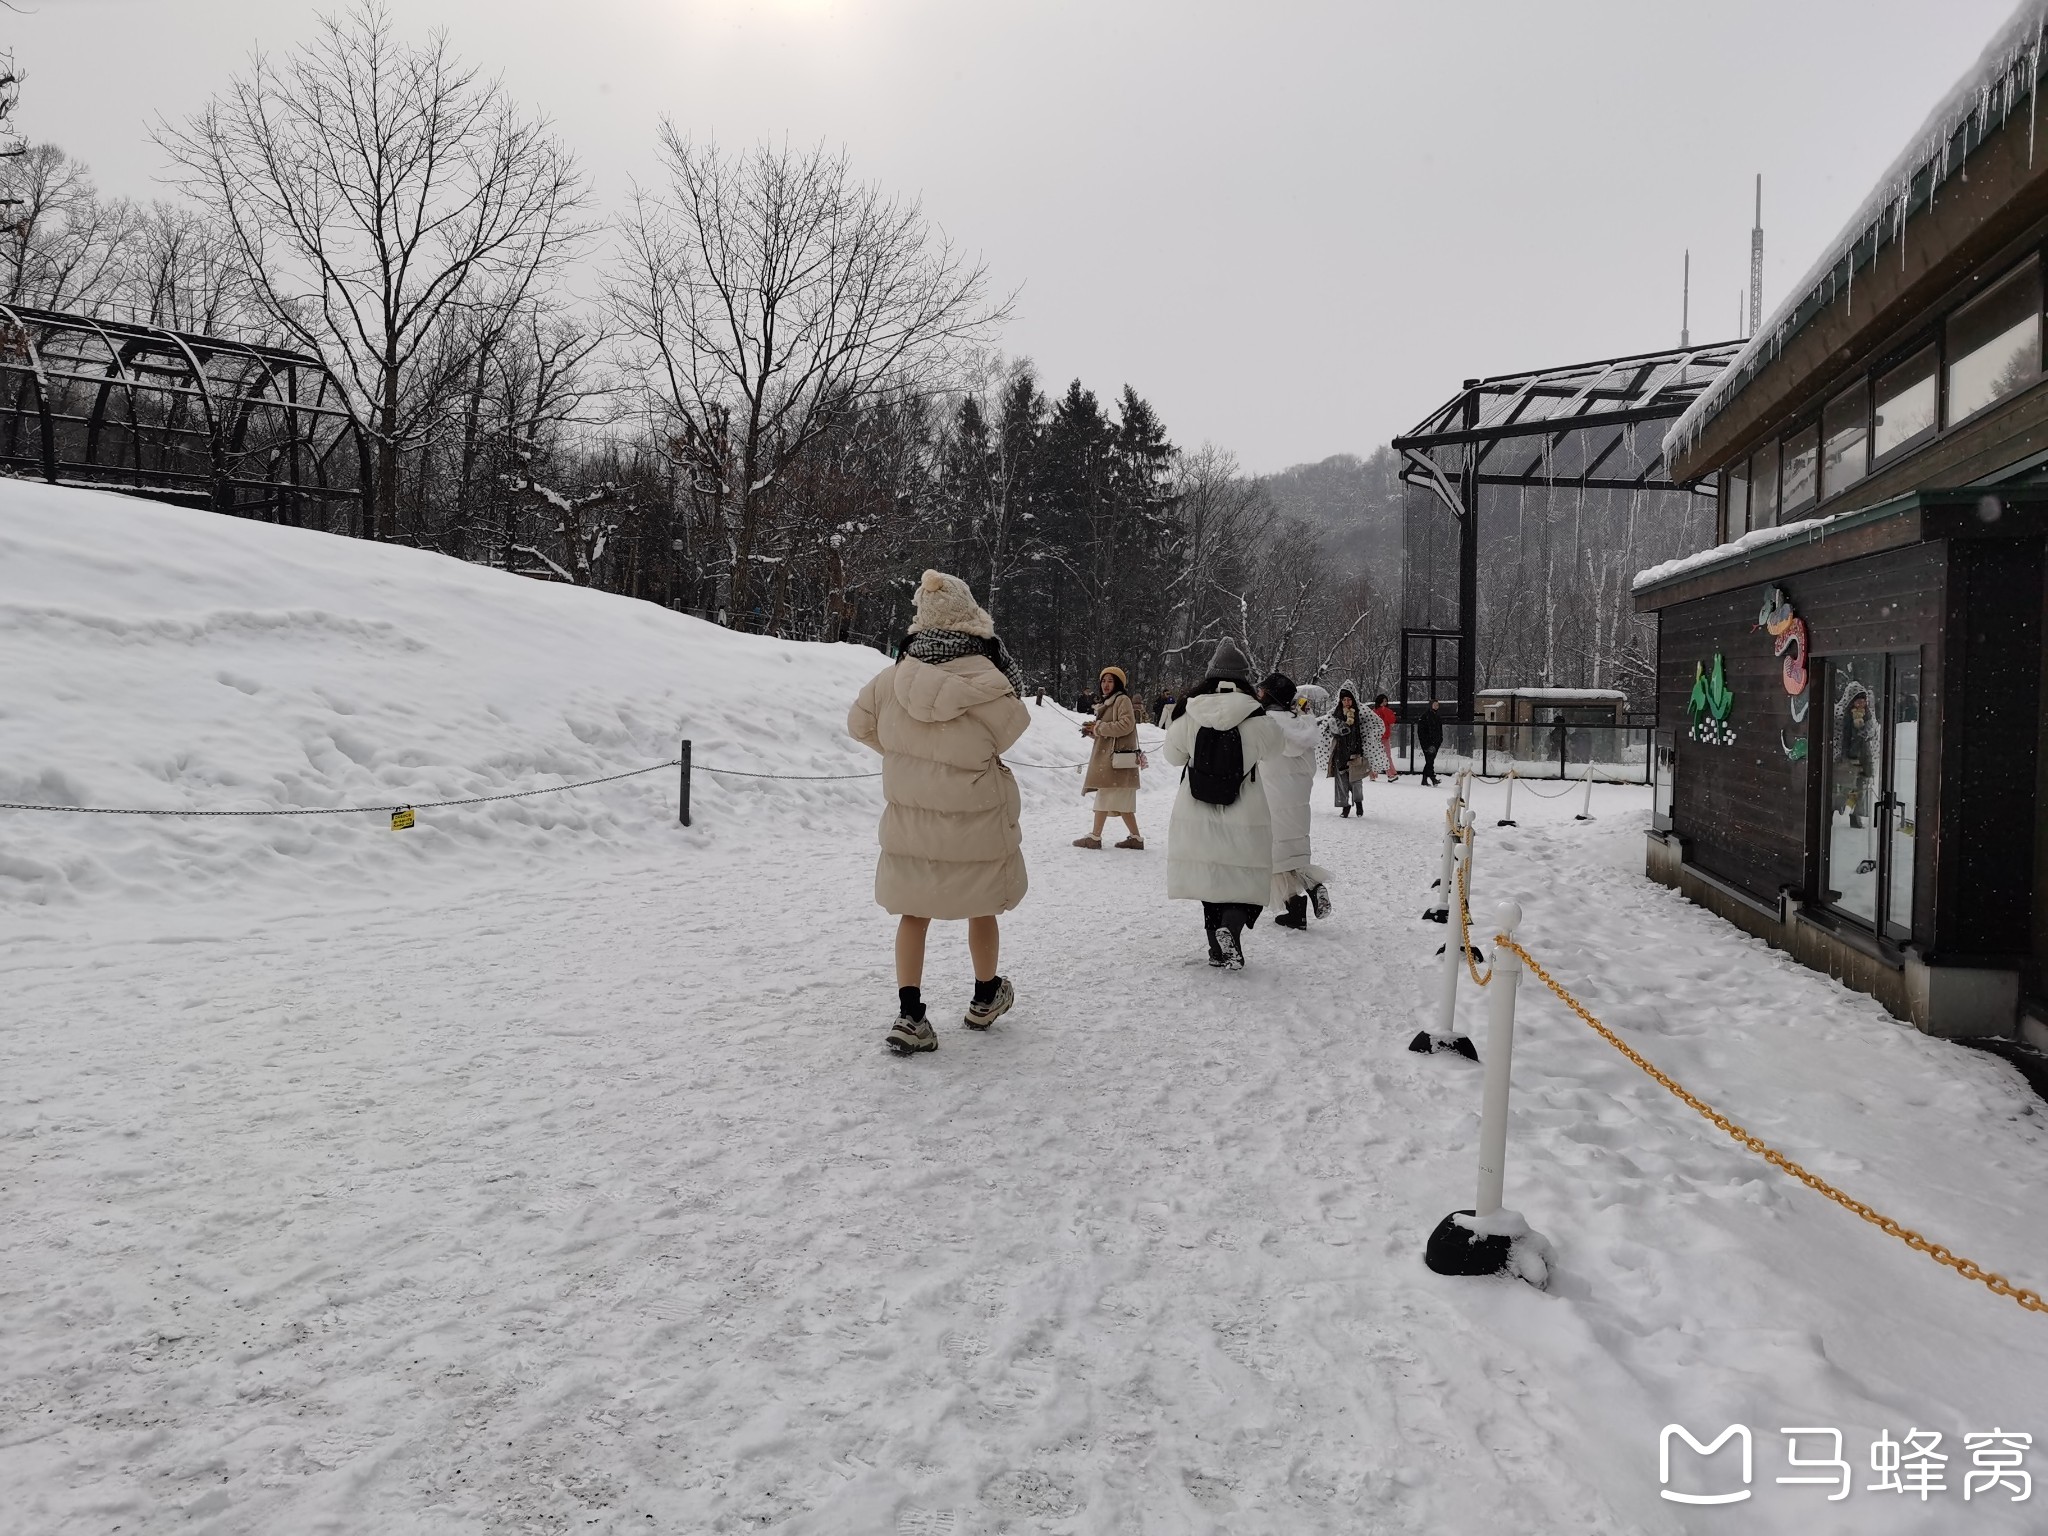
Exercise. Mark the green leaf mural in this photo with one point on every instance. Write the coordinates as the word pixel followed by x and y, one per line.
pixel 1710 703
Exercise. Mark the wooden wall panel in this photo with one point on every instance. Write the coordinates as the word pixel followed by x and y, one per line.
pixel 1988 758
pixel 1745 810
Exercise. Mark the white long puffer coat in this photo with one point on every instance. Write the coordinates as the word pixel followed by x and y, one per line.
pixel 1222 852
pixel 1289 778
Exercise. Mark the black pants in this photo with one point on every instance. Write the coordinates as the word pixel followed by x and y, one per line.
pixel 1234 915
pixel 1429 764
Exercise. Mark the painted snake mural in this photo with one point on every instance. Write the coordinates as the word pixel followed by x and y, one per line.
pixel 1788 630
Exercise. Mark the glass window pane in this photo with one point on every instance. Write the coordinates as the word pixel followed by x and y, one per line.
pixel 1763 486
pixel 1735 502
pixel 1855 762
pixel 1802 463
pixel 1906 400
pixel 1844 436
pixel 1994 343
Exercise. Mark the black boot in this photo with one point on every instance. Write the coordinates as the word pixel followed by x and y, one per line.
pixel 1296 915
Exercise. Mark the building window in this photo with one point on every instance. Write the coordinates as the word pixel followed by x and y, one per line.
pixel 1735 502
pixel 1907 399
pixel 1802 466
pixel 1845 440
pixel 1994 343
pixel 1763 486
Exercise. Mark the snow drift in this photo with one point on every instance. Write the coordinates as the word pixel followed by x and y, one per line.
pixel 169 659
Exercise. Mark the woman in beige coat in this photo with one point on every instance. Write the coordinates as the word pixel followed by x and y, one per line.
pixel 941 717
pixel 1114 730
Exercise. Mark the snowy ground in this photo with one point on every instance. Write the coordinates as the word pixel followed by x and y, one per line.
pixel 539 1169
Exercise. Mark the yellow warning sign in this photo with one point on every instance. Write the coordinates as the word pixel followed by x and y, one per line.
pixel 401 818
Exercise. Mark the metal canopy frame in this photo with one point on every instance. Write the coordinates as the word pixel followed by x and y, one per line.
pixel 1550 429
pixel 210 421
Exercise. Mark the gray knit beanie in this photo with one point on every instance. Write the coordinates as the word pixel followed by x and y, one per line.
pixel 1229 662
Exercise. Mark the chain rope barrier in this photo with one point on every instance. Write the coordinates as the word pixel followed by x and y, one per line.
pixel 2032 1301
pixel 517 794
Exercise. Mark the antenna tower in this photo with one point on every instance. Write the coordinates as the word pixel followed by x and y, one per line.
pixel 1685 305
pixel 1756 262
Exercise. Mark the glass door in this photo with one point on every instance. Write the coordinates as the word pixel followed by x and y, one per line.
pixel 1901 804
pixel 1854 775
pixel 1870 788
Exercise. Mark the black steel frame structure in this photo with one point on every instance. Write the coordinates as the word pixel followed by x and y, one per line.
pixel 1574 427
pixel 240 427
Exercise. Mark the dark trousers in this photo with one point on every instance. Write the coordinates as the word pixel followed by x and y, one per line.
pixel 1429 764
pixel 1234 915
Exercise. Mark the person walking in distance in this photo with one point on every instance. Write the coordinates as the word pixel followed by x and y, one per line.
pixel 1288 780
pixel 941 718
pixel 1385 714
pixel 1113 763
pixel 1219 844
pixel 1347 733
pixel 1429 735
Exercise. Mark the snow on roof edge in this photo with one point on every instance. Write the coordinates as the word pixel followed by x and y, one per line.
pixel 1749 543
pixel 2019 39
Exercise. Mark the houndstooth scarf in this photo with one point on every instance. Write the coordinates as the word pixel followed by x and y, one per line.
pixel 936 645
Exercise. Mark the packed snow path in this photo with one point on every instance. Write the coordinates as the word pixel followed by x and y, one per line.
pixel 552 1177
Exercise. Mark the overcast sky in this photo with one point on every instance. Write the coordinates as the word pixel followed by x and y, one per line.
pixel 1294 227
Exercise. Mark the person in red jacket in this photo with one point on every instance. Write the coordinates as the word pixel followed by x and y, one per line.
pixel 1386 714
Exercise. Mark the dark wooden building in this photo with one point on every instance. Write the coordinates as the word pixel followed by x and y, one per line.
pixel 1851 689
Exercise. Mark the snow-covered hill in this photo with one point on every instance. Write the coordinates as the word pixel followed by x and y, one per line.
pixel 540 1169
pixel 164 658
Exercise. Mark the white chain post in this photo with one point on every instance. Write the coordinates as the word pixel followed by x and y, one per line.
pixel 1441 911
pixel 1490 1239
pixel 1507 815
pixel 1443 1035
pixel 1500 1050
pixel 1586 810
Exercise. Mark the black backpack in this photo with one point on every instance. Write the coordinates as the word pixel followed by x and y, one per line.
pixel 1215 772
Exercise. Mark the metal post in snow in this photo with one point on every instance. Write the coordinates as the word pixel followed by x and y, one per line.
pixel 684 800
pixel 1444 1035
pixel 1485 1239
pixel 1586 809
pixel 1507 815
pixel 1441 912
pixel 1500 1050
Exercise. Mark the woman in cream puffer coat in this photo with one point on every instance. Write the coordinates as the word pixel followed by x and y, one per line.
pixel 951 847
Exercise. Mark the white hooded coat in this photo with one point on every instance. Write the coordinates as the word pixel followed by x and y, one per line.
pixel 1288 779
pixel 1222 852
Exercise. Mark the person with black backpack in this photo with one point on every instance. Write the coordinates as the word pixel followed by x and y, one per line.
pixel 1219 844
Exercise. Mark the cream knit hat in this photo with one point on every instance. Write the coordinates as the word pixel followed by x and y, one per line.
pixel 943 602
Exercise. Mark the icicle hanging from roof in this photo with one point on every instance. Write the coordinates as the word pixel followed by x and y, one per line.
pixel 2010 62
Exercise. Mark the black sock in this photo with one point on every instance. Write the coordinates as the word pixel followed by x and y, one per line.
pixel 985 991
pixel 907 1000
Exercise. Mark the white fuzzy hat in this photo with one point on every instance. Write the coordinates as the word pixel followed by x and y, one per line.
pixel 943 602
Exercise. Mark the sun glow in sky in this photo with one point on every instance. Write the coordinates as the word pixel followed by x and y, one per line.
pixel 1294 227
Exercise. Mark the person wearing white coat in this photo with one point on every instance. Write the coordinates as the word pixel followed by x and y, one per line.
pixel 1222 855
pixel 1288 781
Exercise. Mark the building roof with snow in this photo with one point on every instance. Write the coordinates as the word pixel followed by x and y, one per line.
pixel 1911 227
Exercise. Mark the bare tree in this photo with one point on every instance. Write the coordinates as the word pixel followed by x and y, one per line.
pixel 62 246
pixel 376 191
pixel 11 143
pixel 1223 516
pixel 181 271
pixel 770 296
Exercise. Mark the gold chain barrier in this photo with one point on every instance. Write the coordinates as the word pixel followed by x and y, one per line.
pixel 1998 1284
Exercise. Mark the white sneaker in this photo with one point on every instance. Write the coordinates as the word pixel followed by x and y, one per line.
pixel 911 1036
pixel 981 1015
